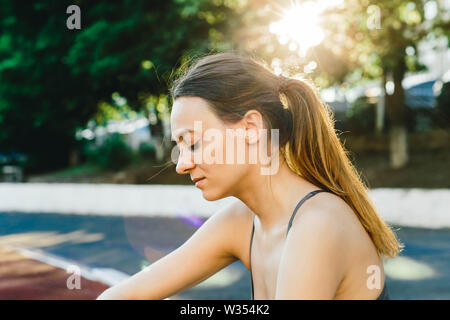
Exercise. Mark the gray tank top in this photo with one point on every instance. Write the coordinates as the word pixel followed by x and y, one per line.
pixel 384 295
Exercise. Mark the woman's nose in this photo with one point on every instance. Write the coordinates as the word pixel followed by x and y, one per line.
pixel 185 163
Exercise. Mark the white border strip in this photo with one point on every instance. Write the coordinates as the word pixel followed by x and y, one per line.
pixel 106 199
pixel 427 208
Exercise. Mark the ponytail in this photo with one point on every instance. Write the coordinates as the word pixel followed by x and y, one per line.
pixel 315 152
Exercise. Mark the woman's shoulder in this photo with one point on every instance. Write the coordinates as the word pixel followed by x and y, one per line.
pixel 327 217
pixel 328 208
pixel 325 212
pixel 325 207
pixel 318 238
pixel 332 223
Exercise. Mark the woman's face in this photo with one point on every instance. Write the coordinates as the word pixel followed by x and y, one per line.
pixel 202 140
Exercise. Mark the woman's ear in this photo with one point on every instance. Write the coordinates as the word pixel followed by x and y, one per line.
pixel 253 124
pixel 251 136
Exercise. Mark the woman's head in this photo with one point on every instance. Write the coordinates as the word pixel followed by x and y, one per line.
pixel 229 91
pixel 200 134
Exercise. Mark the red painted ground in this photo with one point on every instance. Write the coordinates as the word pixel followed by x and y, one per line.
pixel 24 278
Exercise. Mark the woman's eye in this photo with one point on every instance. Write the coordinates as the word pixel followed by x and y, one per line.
pixel 194 146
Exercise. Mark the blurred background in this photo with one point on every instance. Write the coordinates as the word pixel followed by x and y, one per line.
pixel 85 152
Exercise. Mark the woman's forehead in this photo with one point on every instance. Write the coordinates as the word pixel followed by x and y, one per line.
pixel 190 114
pixel 189 106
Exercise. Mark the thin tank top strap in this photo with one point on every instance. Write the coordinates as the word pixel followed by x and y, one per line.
pixel 250 257
pixel 251 238
pixel 309 195
pixel 384 295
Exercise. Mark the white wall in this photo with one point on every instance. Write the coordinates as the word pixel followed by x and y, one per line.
pixel 406 207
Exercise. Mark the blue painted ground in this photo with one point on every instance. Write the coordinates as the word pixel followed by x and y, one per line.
pixel 128 243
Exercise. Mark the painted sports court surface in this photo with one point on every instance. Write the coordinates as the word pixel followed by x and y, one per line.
pixel 113 247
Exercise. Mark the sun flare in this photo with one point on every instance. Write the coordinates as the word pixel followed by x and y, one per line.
pixel 300 25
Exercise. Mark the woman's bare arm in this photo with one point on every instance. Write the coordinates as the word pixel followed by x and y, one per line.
pixel 211 248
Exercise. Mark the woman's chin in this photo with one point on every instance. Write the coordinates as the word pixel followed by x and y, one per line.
pixel 211 196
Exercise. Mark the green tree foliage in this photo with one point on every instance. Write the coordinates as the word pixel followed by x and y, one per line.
pixel 379 39
pixel 112 154
pixel 364 39
pixel 40 102
pixel 52 79
pixel 442 114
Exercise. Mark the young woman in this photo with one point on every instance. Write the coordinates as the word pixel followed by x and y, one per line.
pixel 307 230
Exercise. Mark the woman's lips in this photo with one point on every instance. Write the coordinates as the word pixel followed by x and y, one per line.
pixel 198 182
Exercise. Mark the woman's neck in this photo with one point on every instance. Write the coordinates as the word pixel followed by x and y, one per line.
pixel 273 198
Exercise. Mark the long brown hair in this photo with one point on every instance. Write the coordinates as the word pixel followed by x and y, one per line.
pixel 233 84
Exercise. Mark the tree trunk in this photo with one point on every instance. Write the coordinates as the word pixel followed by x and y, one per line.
pixel 74 157
pixel 398 146
pixel 381 107
pixel 158 142
pixel 397 112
